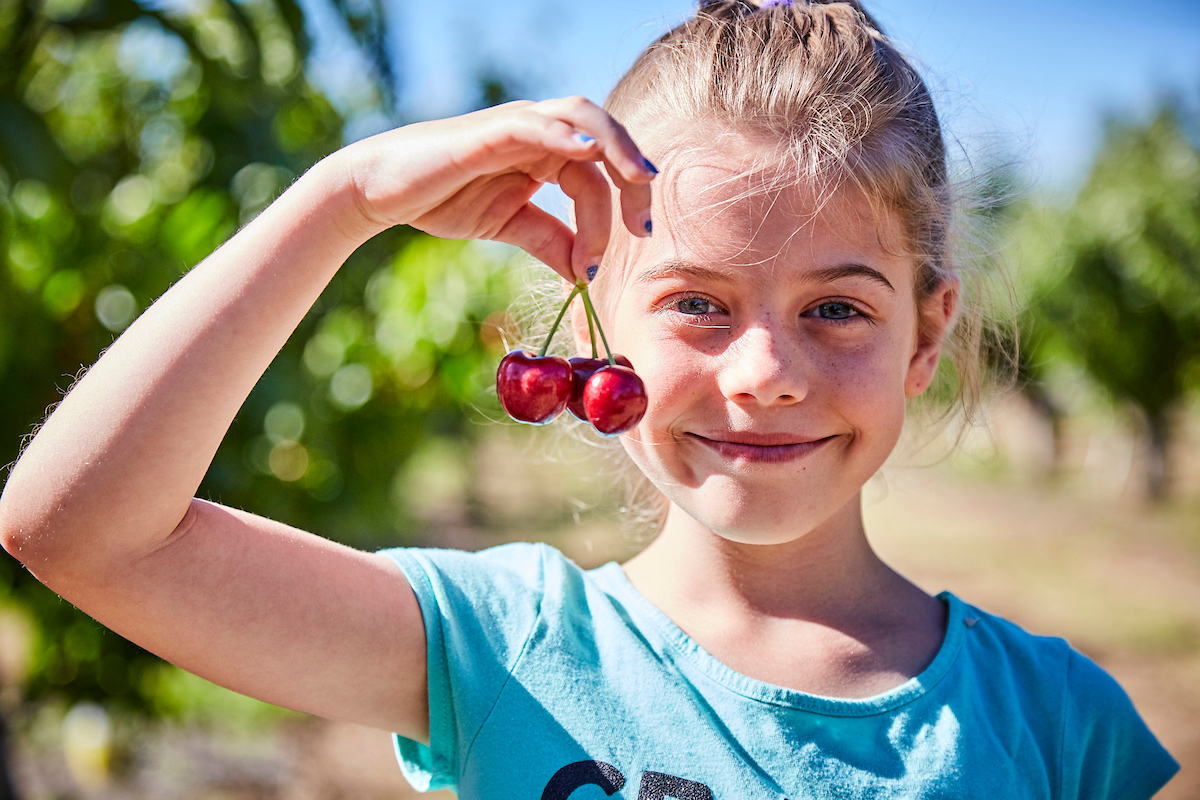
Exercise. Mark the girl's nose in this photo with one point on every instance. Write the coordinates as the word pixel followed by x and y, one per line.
pixel 762 367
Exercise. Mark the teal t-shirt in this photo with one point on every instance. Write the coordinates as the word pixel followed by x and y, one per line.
pixel 549 682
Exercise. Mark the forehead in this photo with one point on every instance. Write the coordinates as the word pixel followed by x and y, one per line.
pixel 728 200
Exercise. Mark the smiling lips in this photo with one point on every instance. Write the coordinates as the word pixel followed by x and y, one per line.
pixel 763 448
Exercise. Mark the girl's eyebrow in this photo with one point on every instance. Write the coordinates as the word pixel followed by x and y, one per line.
pixel 675 267
pixel 849 271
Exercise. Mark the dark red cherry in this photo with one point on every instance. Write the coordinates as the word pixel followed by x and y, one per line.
pixel 581 370
pixel 614 399
pixel 533 389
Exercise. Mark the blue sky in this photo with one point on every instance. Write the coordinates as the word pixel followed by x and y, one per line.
pixel 1017 79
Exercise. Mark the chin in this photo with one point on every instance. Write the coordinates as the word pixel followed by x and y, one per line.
pixel 752 520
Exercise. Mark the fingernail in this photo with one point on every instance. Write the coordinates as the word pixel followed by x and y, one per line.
pixel 591 272
pixel 583 137
pixel 649 226
pixel 649 166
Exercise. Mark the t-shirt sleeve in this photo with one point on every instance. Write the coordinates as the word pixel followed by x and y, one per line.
pixel 479 611
pixel 1108 752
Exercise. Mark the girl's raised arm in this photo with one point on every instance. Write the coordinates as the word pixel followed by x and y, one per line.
pixel 100 506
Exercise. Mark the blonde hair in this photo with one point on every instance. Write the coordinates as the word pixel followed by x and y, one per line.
pixel 839 106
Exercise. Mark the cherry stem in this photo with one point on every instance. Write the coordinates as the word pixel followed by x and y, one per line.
pixel 591 330
pixel 591 312
pixel 554 327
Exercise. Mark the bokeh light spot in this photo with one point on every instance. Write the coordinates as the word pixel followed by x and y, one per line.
pixel 131 199
pixel 62 293
pixel 288 461
pixel 323 355
pixel 351 386
pixel 283 422
pixel 32 198
pixel 115 307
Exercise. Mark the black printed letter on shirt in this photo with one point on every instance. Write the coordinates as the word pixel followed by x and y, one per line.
pixel 656 786
pixel 583 773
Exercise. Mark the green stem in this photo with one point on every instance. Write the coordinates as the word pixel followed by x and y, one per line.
pixel 591 329
pixel 554 327
pixel 587 304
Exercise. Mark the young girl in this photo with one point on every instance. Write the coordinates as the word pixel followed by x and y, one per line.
pixel 783 292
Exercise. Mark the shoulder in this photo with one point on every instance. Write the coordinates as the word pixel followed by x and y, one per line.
pixel 1003 650
pixel 523 563
pixel 1103 747
pixel 1045 665
pixel 495 579
pixel 1113 752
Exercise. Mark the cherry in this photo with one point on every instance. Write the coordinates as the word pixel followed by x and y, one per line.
pixel 606 392
pixel 614 399
pixel 581 370
pixel 533 389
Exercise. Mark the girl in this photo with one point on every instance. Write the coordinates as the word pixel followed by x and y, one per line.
pixel 783 291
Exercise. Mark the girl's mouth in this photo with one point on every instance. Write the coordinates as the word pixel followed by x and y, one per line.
pixel 773 448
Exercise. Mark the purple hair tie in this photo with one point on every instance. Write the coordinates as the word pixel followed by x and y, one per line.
pixel 772 3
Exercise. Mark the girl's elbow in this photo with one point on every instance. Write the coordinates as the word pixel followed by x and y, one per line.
pixel 12 531
pixel 18 539
pixel 10 538
pixel 28 534
pixel 17 535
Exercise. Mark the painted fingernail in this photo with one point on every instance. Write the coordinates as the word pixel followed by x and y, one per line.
pixel 649 166
pixel 584 138
pixel 591 272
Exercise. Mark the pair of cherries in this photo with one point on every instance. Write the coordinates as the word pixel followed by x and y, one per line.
pixel 535 389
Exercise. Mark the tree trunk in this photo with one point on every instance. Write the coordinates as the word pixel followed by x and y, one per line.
pixel 8 789
pixel 1045 405
pixel 1158 467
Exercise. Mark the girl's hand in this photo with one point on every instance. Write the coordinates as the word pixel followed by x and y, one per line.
pixel 472 177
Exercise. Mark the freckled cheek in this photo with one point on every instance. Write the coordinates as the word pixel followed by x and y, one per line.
pixel 867 385
pixel 673 382
pixel 658 445
pixel 666 366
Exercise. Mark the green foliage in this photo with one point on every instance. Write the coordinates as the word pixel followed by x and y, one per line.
pixel 1116 276
pixel 182 697
pixel 133 141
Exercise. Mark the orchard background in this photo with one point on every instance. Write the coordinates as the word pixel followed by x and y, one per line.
pixel 137 136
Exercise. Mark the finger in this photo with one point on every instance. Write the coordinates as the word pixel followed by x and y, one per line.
pixel 576 129
pixel 635 203
pixel 523 137
pixel 542 235
pixel 583 182
pixel 616 146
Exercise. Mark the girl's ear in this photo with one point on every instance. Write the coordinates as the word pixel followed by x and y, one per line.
pixel 935 320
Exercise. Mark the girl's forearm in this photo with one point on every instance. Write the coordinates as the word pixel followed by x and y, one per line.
pixel 113 470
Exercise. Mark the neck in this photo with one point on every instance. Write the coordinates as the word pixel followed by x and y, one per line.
pixel 828 574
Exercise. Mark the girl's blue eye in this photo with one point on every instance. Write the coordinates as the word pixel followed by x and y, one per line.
pixel 835 310
pixel 694 306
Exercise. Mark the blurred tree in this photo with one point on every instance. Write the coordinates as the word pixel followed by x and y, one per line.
pixel 1013 342
pixel 7 790
pixel 1117 286
pixel 136 138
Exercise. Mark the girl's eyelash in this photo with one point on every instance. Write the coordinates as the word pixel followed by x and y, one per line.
pixel 855 312
pixel 677 304
pixel 850 311
pixel 694 318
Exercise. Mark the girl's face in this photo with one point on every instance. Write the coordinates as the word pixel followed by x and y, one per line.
pixel 778 340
